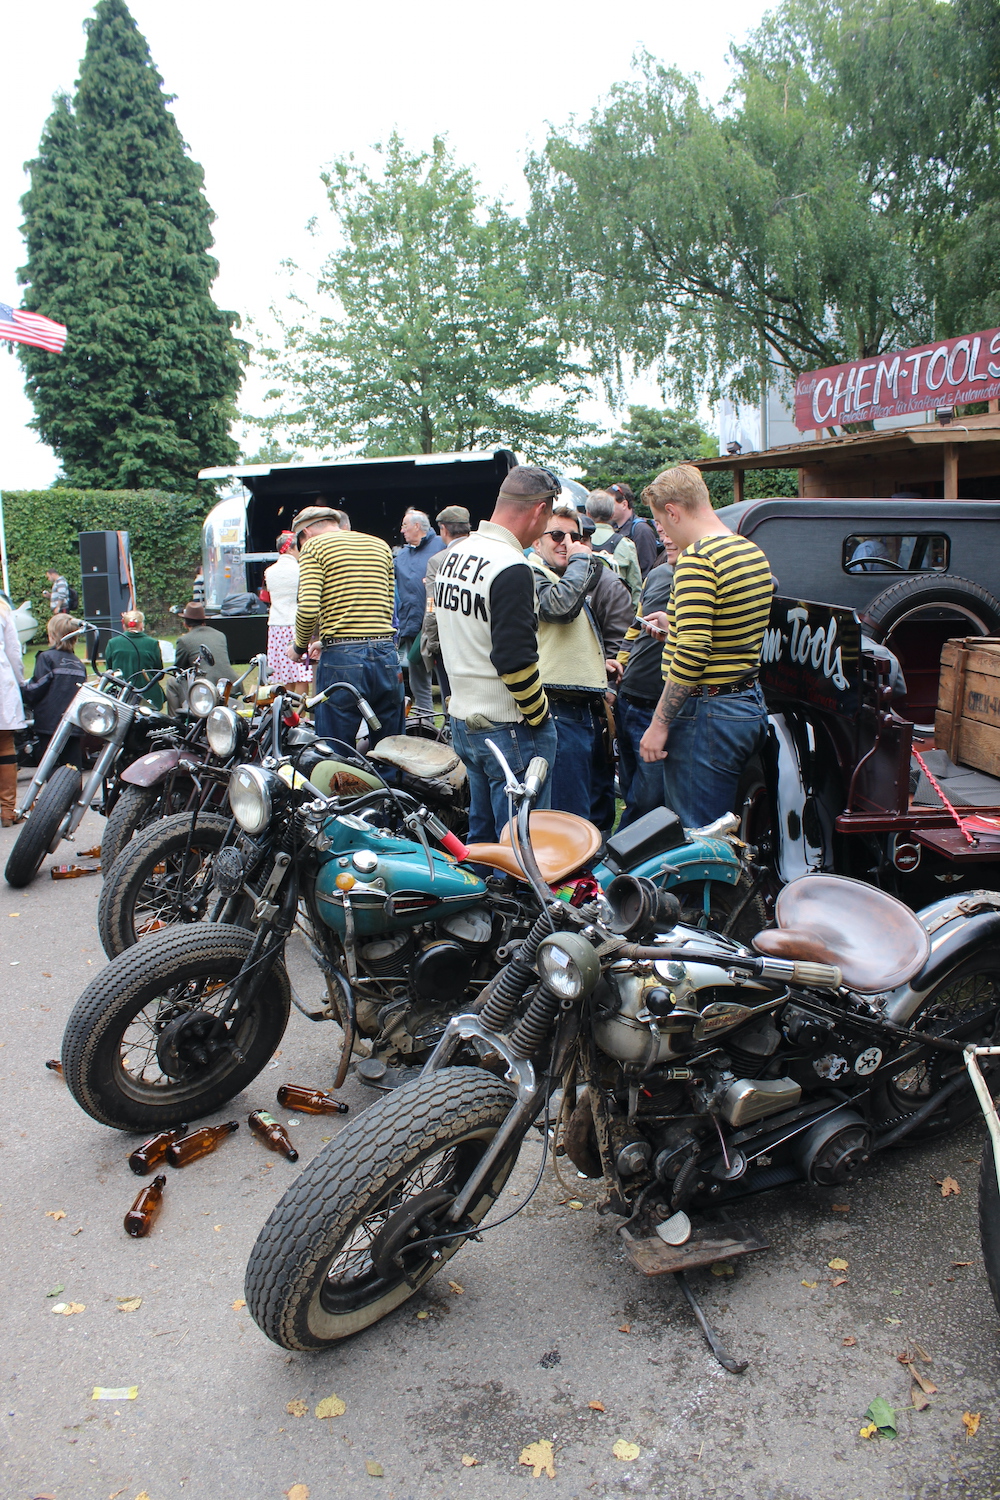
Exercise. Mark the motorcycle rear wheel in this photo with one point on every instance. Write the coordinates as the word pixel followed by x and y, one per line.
pixel 109 1047
pixel 156 872
pixel 966 1006
pixel 723 901
pixel 989 1218
pixel 310 1280
pixel 39 835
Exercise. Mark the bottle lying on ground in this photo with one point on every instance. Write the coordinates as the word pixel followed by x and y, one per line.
pixel 149 1155
pixel 54 1066
pixel 274 1135
pixel 199 1143
pixel 309 1101
pixel 139 1219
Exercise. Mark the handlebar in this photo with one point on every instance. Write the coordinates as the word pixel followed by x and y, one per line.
pixel 782 970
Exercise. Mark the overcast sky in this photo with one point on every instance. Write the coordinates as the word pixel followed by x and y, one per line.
pixel 266 94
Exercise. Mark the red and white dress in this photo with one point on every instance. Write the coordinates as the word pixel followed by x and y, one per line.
pixel 281 580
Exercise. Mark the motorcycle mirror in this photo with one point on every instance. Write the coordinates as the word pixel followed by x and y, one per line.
pixel 207 655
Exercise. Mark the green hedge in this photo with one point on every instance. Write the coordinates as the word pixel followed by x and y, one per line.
pixel 164 535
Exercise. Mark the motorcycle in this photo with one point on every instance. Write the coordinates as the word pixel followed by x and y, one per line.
pixel 691 1071
pixel 403 935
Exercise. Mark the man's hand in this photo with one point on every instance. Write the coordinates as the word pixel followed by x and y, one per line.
pixel 315 651
pixel 297 652
pixel 656 624
pixel 614 669
pixel 576 549
pixel 653 745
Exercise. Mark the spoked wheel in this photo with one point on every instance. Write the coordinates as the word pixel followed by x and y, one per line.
pixel 966 1007
pixel 137 1053
pixel 161 879
pixel 335 1256
pixel 40 833
pixel 740 911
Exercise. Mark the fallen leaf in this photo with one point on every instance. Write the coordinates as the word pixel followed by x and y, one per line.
pixel 841 1208
pixel 625 1451
pixel 115 1495
pixel 297 1492
pixel 723 1268
pixel 68 1308
pixel 575 1203
pixel 55 1213
pixel 625 1328
pixel 423 1315
pixel 850 1341
pixel 961 1262
pixel 331 1406
pixel 468 1461
pixel 78 1231
pixel 896 1291
pixel 217 1227
pixel 894 1321
pixel 811 1284
pixel 948 1187
pixel 837 1264
pixel 922 1354
pixel 927 1386
pixel 869 1431
pixel 240 1302
pixel 596 1405
pixel 839 1281
pixel 971 1421
pixel 919 1400
pixel 373 1469
pixel 457 1287
pixel 538 1458
pixel 297 1408
pixel 882 1414
pixel 129 1304
pixel 142 1495
pixel 56 1290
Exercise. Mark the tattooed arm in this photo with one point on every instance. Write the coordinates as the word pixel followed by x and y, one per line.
pixel 653 745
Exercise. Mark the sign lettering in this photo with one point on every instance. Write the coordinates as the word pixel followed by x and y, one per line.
pixel 811 653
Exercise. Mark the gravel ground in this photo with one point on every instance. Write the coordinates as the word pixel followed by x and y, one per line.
pixel 551 1317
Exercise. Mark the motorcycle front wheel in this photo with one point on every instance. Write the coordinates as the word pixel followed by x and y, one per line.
pixel 989 1217
pixel 311 1278
pixel 160 879
pixel 40 833
pixel 113 1047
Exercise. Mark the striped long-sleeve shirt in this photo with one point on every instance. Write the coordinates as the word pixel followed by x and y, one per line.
pixel 718 610
pixel 345 587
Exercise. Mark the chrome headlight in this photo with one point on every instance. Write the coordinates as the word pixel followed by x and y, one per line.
pixel 98 716
pixel 250 798
pixel 202 697
pixel 222 730
pixel 568 965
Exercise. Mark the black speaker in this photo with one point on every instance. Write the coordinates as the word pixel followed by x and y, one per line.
pixel 105 570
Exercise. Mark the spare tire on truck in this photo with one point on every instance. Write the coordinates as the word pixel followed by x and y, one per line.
pixel 915 617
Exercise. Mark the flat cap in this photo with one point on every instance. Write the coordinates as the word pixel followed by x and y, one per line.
pixel 314 513
pixel 454 515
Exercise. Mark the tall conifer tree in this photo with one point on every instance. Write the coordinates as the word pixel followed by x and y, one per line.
pixel 118 233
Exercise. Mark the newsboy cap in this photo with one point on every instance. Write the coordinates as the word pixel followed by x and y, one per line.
pixel 453 515
pixel 314 513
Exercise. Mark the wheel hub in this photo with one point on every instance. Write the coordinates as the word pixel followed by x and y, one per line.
pixel 417 1219
pixel 185 1045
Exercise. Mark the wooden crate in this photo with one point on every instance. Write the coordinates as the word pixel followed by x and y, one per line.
pixel 967 722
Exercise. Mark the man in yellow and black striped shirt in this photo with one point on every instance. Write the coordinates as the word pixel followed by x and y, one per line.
pixel 710 718
pixel 345 597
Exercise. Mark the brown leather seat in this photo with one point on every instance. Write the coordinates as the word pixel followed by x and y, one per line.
pixel 874 939
pixel 562 844
pixel 423 758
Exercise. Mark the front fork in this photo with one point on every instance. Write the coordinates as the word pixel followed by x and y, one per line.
pixel 46 766
pixel 986 1100
pixel 104 763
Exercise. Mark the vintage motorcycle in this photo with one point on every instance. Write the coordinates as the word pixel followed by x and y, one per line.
pixel 692 1071
pixel 403 936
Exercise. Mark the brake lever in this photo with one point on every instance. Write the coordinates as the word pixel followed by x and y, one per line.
pixel 512 787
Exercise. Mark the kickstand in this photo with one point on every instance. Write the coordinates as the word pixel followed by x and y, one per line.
pixel 734 1366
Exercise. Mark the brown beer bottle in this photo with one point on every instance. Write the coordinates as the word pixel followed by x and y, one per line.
pixel 267 1129
pixel 309 1101
pixel 54 1066
pixel 199 1143
pixel 149 1155
pixel 139 1219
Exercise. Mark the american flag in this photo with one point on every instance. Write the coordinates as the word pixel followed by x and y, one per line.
pixel 31 328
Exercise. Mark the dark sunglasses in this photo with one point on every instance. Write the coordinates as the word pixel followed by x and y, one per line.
pixel 560 536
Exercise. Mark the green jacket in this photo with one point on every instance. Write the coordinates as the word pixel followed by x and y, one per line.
pixel 136 656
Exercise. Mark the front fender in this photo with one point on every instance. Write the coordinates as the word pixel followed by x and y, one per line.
pixel 150 769
pixel 959 928
pixel 700 859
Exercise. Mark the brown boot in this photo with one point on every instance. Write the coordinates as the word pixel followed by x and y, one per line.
pixel 8 789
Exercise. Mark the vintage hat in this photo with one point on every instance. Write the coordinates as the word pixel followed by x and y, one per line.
pixel 587 525
pixel 314 513
pixel 194 614
pixel 453 515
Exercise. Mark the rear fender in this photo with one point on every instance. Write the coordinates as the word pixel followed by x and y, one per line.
pixel 959 928
pixel 700 859
pixel 151 769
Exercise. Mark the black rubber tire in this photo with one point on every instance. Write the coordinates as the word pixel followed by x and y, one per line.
pixel 125 887
pixel 132 811
pixel 39 833
pixel 91 1049
pixel 966 1006
pixel 723 900
pixel 352 1180
pixel 946 589
pixel 989 1218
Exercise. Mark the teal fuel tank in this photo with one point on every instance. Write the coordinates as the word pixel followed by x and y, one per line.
pixel 387 881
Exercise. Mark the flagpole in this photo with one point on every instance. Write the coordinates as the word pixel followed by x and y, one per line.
pixel 3 551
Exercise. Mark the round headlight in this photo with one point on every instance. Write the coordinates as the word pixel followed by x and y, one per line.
pixel 222 730
pixel 250 799
pixel 202 697
pixel 567 964
pixel 98 718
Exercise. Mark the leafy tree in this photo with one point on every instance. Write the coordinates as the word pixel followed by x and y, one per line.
pixel 428 341
pixel 819 216
pixel 117 231
pixel 648 442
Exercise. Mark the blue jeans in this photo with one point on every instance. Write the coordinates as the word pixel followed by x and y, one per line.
pixel 487 799
pixel 709 744
pixel 571 776
pixel 641 785
pixel 373 668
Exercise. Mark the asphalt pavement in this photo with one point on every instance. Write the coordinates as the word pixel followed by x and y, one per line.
pixel 543 1332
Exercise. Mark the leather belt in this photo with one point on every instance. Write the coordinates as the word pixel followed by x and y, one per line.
pixel 640 702
pixel 351 640
pixel 703 690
